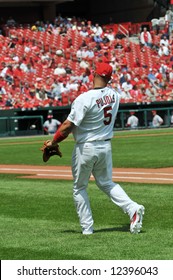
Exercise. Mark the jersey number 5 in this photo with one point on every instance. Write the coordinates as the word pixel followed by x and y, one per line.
pixel 107 115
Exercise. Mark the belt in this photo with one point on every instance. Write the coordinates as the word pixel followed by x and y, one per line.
pixel 93 141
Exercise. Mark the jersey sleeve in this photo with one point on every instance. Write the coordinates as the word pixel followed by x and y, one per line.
pixel 78 111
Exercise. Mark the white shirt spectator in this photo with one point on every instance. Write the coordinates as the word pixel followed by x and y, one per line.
pixel 59 70
pixel 64 87
pixel 2 90
pixel 16 58
pixel 127 86
pixel 164 41
pixel 110 35
pixel 83 32
pixel 163 50
pixel 3 72
pixel 23 66
pixel 84 64
pixel 81 53
pixel 171 76
pixel 75 26
pixel 97 30
pixel 169 15
pixel 89 53
pixel 145 37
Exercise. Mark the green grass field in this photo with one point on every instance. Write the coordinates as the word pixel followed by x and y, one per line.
pixel 38 219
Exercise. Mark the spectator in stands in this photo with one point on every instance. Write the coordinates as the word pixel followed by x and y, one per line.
pixel 56 90
pixel 97 39
pixel 83 32
pixel 97 30
pixel 60 70
pixel 23 64
pixel 2 90
pixel 63 30
pixel 115 66
pixel 105 58
pixel 81 53
pixel 17 72
pixel 10 21
pixel 4 69
pixel 164 41
pixel 84 64
pixel 157 121
pixel 136 94
pixel 146 38
pixel 30 68
pixel 84 78
pixel 163 50
pixel 169 18
pixel 123 63
pixel 110 35
pixel 97 48
pixel 75 26
pixel 132 121
pixel 151 76
pixel 136 63
pixel 41 94
pixel 127 47
pixel 118 45
pixel 64 87
pixel 105 39
pixel 122 78
pixel 51 125
pixel 170 74
pixel 9 75
pixel 163 69
pixel 89 55
pixel 127 87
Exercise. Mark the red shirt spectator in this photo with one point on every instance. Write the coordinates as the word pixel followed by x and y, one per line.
pixel 137 63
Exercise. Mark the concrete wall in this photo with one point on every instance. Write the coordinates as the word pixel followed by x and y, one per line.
pixel 122 11
pixel 97 11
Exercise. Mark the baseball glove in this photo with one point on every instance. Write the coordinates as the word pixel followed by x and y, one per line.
pixel 50 150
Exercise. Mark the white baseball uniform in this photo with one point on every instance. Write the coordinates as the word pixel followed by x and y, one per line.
pixel 157 121
pixel 51 125
pixel 171 119
pixel 93 114
pixel 132 121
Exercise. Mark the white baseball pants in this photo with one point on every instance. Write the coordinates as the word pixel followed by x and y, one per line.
pixel 96 158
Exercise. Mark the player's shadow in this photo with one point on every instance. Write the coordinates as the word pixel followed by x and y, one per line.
pixel 124 228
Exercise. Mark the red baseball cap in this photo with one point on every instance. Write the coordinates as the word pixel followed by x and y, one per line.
pixel 104 70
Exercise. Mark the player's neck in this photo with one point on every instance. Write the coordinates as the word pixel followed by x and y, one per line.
pixel 99 85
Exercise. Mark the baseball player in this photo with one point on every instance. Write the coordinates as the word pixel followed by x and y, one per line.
pixel 50 125
pixel 132 120
pixel 157 120
pixel 91 121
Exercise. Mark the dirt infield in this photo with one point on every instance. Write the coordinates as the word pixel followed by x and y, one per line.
pixel 140 175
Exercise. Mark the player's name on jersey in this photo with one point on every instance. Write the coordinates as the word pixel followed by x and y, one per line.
pixel 105 100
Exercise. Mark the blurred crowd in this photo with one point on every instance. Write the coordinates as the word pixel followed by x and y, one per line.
pixel 50 64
